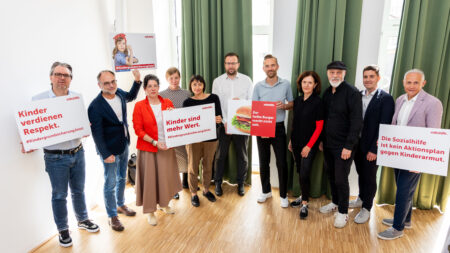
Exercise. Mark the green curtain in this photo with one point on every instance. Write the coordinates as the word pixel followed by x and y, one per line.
pixel 326 31
pixel 423 43
pixel 211 29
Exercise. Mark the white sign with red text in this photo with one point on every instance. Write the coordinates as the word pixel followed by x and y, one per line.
pixel 414 148
pixel 189 125
pixel 50 121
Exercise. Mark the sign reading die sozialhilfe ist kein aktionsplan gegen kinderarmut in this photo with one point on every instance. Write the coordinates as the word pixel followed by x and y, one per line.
pixel 414 148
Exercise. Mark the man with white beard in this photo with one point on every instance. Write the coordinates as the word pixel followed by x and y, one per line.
pixel 343 122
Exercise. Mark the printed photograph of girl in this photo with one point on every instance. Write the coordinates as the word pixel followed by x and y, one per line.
pixel 123 53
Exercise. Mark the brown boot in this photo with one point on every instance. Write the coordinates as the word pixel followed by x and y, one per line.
pixel 126 210
pixel 116 224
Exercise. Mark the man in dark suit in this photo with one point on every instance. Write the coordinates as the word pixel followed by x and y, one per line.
pixel 378 108
pixel 108 116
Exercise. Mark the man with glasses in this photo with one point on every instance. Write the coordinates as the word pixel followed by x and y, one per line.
pixel 108 116
pixel 231 85
pixel 377 108
pixel 65 164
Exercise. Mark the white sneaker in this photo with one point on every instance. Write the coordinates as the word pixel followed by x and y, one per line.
pixel 355 203
pixel 152 219
pixel 340 220
pixel 363 216
pixel 284 202
pixel 263 197
pixel 331 207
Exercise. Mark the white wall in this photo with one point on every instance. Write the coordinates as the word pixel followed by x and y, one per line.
pixel 34 35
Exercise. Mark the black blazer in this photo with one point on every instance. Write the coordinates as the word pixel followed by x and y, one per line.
pixel 108 132
pixel 379 111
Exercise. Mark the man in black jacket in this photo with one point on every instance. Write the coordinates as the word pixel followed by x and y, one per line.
pixel 378 108
pixel 343 121
pixel 108 116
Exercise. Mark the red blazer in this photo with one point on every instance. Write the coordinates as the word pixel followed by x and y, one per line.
pixel 144 122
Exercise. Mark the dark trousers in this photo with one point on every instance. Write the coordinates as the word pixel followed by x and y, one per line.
pixel 338 171
pixel 367 178
pixel 304 166
pixel 241 145
pixel 279 147
pixel 406 186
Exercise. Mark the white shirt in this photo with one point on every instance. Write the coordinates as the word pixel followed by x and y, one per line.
pixel 63 145
pixel 405 111
pixel 159 121
pixel 227 88
pixel 116 105
pixel 366 98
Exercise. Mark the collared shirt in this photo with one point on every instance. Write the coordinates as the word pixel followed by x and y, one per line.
pixel 405 111
pixel 63 145
pixel 227 89
pixel 280 91
pixel 366 98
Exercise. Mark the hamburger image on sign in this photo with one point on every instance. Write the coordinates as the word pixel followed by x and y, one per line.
pixel 242 120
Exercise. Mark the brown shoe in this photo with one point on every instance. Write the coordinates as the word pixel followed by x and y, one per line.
pixel 126 210
pixel 116 224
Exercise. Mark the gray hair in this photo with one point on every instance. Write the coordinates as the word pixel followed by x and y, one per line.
pixel 104 71
pixel 418 71
pixel 62 64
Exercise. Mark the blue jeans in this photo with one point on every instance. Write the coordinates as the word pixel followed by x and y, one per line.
pixel 115 179
pixel 64 171
pixel 406 186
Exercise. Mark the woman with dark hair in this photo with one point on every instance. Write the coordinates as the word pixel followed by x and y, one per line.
pixel 203 150
pixel 157 178
pixel 306 128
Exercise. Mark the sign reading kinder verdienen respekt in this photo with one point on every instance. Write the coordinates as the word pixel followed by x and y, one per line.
pixel 414 148
pixel 50 121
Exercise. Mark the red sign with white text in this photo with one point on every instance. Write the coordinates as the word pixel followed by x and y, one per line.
pixel 264 116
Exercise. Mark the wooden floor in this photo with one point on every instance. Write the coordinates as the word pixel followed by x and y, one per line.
pixel 240 224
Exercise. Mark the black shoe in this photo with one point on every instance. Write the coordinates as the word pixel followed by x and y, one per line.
pixel 185 181
pixel 88 226
pixel 218 190
pixel 304 212
pixel 195 201
pixel 64 238
pixel 176 196
pixel 210 196
pixel 241 189
pixel 297 202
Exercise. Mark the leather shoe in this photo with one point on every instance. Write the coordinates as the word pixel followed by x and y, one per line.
pixel 241 189
pixel 195 201
pixel 116 224
pixel 210 196
pixel 176 196
pixel 126 210
pixel 218 190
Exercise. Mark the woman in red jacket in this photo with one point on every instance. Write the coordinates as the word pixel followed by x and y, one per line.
pixel 157 178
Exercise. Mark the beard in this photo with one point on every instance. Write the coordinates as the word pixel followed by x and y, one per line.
pixel 335 82
pixel 231 72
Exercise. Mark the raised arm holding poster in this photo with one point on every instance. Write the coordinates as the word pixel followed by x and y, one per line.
pixel 414 148
pixel 50 121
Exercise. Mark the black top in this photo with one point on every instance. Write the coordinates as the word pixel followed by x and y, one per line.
pixel 343 117
pixel 212 98
pixel 306 113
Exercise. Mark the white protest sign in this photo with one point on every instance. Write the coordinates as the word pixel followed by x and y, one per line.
pixel 50 121
pixel 189 125
pixel 414 148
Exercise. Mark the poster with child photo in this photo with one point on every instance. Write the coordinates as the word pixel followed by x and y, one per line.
pixel 133 51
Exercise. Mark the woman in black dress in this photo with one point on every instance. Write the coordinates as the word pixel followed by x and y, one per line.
pixel 306 128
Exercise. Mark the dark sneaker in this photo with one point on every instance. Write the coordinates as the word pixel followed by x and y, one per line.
pixel 195 201
pixel 390 222
pixel 218 190
pixel 304 212
pixel 297 202
pixel 176 196
pixel 241 190
pixel 64 238
pixel 88 226
pixel 210 196
pixel 390 234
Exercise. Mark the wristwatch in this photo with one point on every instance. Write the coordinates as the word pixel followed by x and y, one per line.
pixel 154 143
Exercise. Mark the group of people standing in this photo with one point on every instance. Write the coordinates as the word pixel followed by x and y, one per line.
pixel 344 124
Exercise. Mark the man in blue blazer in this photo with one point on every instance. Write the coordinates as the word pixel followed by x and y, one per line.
pixel 378 108
pixel 108 116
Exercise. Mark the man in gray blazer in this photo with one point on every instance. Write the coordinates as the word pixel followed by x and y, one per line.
pixel 420 109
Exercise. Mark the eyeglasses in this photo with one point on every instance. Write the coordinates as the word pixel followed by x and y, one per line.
pixel 113 82
pixel 60 75
pixel 231 63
